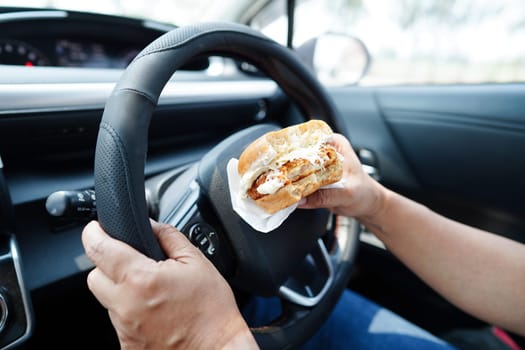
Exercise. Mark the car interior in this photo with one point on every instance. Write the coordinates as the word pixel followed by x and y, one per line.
pixel 72 80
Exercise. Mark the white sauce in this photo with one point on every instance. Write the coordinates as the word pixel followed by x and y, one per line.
pixel 270 186
pixel 311 154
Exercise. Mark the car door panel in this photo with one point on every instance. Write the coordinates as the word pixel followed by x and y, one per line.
pixel 366 128
pixel 458 149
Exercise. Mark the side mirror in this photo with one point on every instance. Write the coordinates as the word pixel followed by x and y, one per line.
pixel 336 59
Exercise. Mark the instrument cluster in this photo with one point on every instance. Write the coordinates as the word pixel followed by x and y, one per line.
pixel 66 52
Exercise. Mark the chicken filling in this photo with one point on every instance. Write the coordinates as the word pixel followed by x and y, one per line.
pixel 291 171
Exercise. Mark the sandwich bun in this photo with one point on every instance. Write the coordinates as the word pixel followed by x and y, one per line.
pixel 283 166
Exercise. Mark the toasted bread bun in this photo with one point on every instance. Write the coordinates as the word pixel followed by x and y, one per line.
pixel 283 166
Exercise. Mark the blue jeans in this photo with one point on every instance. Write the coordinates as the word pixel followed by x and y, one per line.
pixel 355 323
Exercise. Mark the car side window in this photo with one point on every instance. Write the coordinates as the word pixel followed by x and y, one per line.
pixel 418 41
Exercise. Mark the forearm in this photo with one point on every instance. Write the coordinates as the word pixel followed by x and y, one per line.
pixel 482 273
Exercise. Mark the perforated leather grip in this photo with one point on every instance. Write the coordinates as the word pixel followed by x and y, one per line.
pixel 122 139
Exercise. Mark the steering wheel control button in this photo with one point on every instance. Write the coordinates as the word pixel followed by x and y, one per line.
pixel 4 312
pixel 203 236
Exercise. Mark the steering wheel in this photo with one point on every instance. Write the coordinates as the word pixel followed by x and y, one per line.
pixel 295 261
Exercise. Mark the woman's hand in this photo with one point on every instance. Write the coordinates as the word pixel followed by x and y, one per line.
pixel 361 196
pixel 182 302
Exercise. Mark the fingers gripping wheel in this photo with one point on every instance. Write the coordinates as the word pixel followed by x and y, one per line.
pixel 122 140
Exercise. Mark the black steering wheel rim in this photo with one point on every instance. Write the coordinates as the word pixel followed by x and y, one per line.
pixel 123 135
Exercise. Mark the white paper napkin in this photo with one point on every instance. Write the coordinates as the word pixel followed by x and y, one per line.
pixel 255 216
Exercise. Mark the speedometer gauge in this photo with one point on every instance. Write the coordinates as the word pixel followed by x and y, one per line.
pixel 14 52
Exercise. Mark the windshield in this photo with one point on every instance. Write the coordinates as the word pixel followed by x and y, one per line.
pixel 179 12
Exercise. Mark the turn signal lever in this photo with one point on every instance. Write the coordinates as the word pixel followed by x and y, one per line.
pixel 72 205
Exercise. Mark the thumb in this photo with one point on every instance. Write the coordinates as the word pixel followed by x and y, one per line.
pixel 172 241
pixel 325 198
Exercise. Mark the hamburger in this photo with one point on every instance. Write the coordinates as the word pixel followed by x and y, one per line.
pixel 283 166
